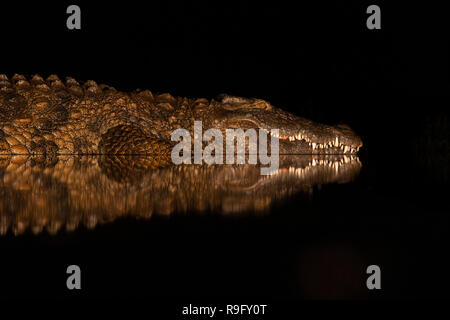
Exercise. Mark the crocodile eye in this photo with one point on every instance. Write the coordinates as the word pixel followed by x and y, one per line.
pixel 261 104
pixel 235 103
pixel 255 104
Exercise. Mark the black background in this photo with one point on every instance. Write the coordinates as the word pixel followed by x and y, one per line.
pixel 317 60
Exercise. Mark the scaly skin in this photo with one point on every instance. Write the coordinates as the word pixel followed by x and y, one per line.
pixel 49 118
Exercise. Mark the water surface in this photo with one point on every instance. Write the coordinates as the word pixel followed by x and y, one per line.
pixel 67 192
pixel 137 230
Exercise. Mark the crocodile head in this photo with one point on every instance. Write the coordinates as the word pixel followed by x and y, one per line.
pixel 296 135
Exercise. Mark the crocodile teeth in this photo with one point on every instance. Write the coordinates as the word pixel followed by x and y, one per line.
pixel 346 149
pixel 336 142
pixel 313 146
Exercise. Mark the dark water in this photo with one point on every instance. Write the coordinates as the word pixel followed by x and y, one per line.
pixel 308 231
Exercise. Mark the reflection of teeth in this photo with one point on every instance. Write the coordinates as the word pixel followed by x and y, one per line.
pixel 334 165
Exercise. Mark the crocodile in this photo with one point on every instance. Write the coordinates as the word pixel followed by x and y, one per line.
pixel 49 117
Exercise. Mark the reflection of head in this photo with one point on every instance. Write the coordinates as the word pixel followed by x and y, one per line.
pixel 90 190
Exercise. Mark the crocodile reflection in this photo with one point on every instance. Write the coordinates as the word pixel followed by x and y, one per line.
pixel 72 191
